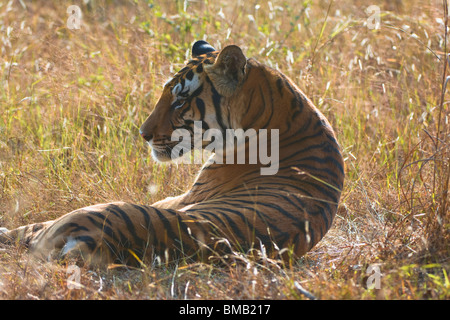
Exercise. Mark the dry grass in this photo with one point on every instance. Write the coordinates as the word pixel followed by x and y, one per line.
pixel 71 102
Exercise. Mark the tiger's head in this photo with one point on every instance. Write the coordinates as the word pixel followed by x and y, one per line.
pixel 201 91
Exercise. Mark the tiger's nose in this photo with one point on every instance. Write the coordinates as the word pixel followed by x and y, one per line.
pixel 145 136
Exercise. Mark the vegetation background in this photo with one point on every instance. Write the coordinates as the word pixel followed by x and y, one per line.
pixel 71 103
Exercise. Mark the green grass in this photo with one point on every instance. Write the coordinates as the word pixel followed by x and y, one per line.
pixel 71 103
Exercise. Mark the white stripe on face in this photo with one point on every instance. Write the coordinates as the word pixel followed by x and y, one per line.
pixel 189 87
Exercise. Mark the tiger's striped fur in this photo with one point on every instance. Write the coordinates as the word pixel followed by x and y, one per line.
pixel 228 205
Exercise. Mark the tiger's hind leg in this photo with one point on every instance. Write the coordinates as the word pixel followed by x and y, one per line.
pixel 79 236
pixel 121 233
pixel 40 239
pixel 24 234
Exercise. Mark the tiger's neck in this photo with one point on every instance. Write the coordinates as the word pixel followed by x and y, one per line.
pixel 268 100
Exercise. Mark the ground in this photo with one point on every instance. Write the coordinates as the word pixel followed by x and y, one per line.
pixel 72 100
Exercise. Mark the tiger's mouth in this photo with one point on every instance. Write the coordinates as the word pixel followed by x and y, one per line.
pixel 161 152
pixel 165 152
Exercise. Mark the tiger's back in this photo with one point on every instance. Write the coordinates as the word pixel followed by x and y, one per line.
pixel 229 206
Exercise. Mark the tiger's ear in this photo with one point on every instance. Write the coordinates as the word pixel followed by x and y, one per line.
pixel 228 72
pixel 201 47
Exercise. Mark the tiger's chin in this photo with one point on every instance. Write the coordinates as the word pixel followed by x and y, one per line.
pixel 160 157
pixel 164 153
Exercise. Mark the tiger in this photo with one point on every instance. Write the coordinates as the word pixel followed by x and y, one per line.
pixel 229 207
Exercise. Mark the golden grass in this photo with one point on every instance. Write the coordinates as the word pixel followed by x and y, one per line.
pixel 71 103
